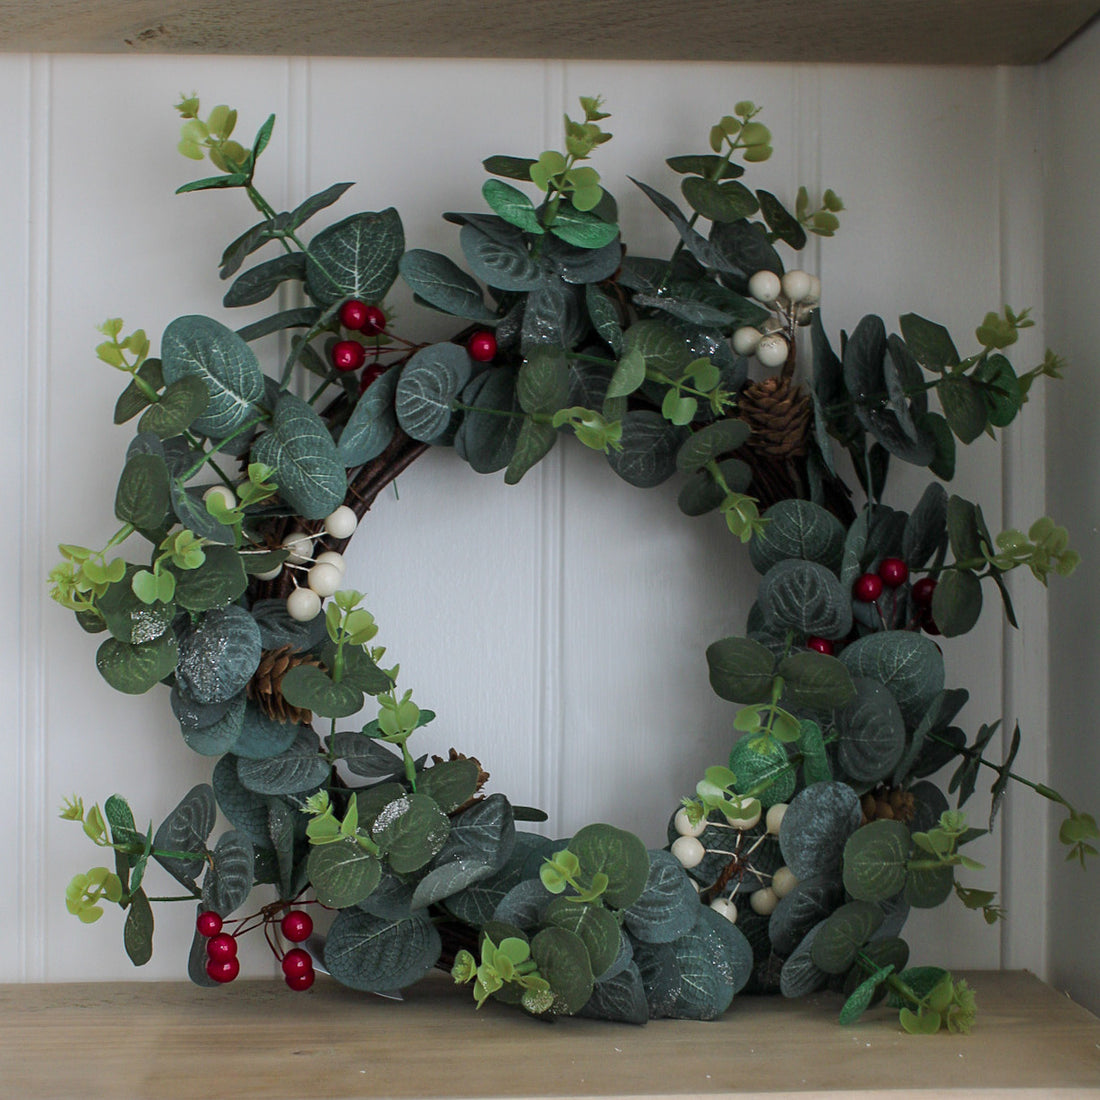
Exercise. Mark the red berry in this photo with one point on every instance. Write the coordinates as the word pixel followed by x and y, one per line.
pixel 822 645
pixel 299 982
pixel 893 571
pixel 353 313
pixel 370 374
pixel 222 946
pixel 482 347
pixel 296 961
pixel 297 926
pixel 208 923
pixel 223 970
pixel 923 591
pixel 867 588
pixel 374 321
pixel 348 355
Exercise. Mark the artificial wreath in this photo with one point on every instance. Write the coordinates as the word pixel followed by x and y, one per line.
pixel 793 865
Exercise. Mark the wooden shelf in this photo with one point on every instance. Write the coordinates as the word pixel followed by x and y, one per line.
pixel 978 32
pixel 173 1041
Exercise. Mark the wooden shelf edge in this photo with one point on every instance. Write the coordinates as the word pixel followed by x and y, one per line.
pixel 957 32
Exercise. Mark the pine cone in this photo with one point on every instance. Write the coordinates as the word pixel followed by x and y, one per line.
pixel 889 803
pixel 778 411
pixel 265 687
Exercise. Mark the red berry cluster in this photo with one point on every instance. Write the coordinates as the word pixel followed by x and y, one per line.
pixel 893 573
pixel 222 964
pixel 349 355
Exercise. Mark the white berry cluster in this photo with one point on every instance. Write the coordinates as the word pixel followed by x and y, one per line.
pixel 792 299
pixel 689 850
pixel 325 571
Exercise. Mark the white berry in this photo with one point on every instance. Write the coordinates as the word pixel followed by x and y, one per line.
pixel 772 351
pixel 764 901
pixel 796 285
pixel 783 882
pixel 724 907
pixel 300 546
pixel 341 524
pixel 765 286
pixel 745 340
pixel 682 824
pixel 324 578
pixel 303 605
pixel 775 817
pixel 813 295
pixel 747 818
pixel 331 557
pixel 270 575
pixel 229 498
pixel 688 851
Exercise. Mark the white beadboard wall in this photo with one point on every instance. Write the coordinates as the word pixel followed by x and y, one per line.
pixel 558 627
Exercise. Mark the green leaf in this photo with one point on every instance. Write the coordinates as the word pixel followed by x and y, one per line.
pixel 926 527
pixel 137 933
pixel 247 811
pixel 263 136
pixel 134 669
pixel 876 860
pixel 355 258
pixel 926 1022
pixel 218 653
pixel 372 423
pixel 628 376
pixel 593 925
pixel 235 179
pixel 186 829
pixel 957 602
pixel 807 597
pixel 583 229
pixel 930 344
pixel 943 461
pixel 343 874
pixel 131 401
pixel 515 168
pixel 927 887
pixel 562 959
pixel 142 497
pixel 180 405
pixel 707 164
pixel 800 976
pixel 543 382
pixel 649 444
pixel 702 492
pixel 450 783
pixel 410 830
pixel 304 317
pixel 299 768
pixel 378 955
pixel 128 618
pixel 361 673
pixel 908 664
pixel 298 447
pixel 741 670
pixel 312 688
pixel 512 205
pixel 843 935
pixel 619 855
pixel 604 317
pixel 860 999
pixel 710 443
pixel 228 882
pixel 665 911
pixel 313 205
pixel 500 260
pixel 429 383
pixel 870 732
pixel 822 817
pixel 780 221
pixel 1004 399
pixel 798 529
pixel 963 406
pixel 965 530
pixel 260 736
pixel 260 282
pixel 201 347
pixel 719 202
pixel 441 283
pixel 815 681
pixel 487 436
pixel 218 582
pixel 533 444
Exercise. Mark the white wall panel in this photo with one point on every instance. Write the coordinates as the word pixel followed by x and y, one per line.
pixel 557 627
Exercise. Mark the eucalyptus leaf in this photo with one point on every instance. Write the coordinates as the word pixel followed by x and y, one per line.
pixel 137 932
pixel 809 903
pixel 620 998
pixel 926 528
pixel 218 582
pixel 649 447
pixel 741 670
pixel 908 664
pixel 821 819
pixel 876 859
pixel 800 976
pixel 843 935
pixel 429 383
pixel 215 737
pixel 798 529
pixel 142 494
pixel 180 405
pixel 563 961
pixel 228 882
pixel 807 597
pixel 871 733
pixel 260 282
pixel 957 602
pixel 619 855
pixel 343 874
pixel 186 829
pixel 377 955
pixel 505 265
pixel 372 423
pixel 441 283
pixel 533 444
pixel 218 654
pixel 355 258
pixel 247 811
pixel 665 910
pixel 261 736
pixel 299 768
pixel 134 669
pixel 593 925
pixel 410 830
pixel 815 681
pixel 709 443
pixel 132 399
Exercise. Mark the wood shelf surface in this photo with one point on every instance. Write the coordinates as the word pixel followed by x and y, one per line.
pixel 255 1040
pixel 981 32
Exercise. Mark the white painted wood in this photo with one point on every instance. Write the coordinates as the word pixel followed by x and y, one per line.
pixel 558 627
pixel 1072 241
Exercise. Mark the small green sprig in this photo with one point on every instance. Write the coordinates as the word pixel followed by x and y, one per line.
pixel 556 173
pixel 1044 549
pixel 510 963
pixel 85 892
pixel 591 428
pixel 181 549
pixel 564 869
pixel 717 790
pixel 83 576
pixel 259 487
pixel 199 139
pixel 127 355
pixel 325 828
pixel 823 220
pixel 740 132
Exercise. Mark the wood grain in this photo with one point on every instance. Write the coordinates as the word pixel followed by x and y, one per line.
pixel 256 1040
pixel 982 32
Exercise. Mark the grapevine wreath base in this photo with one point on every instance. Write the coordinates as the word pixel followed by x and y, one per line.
pixel 792 866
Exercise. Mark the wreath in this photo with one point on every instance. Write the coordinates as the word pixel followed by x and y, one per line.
pixel 793 865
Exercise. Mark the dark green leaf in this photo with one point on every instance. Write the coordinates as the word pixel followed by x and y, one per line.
pixel 799 975
pixel 260 282
pixel 186 829
pixel 926 528
pixel 229 881
pixel 142 495
pixel 814 681
pixel 649 447
pixel 927 887
pixel 343 874
pixel 937 428
pixel 512 205
pixel 618 854
pixel 562 960
pixel 798 529
pixel 620 998
pixel 315 204
pixel 533 444
pixel 134 669
pixel 514 168
pixel 137 933
pixel 299 768
pixel 860 998
pixel 957 602
pixel 908 664
pixel 709 443
pixel 377 955
pixel 218 653
pixel 367 756
pixel 871 733
pixel 931 344
pixel 810 902
pixel 372 423
pixel 410 830
pixel 719 202
pixel 822 817
pixel 963 406
pixel 1003 395
pixel 247 811
pixel 875 860
pixel 807 597
pixel 303 317
pixel 594 926
pixel 843 935
pixel 429 383
pixel 665 911
pixel 218 582
pixel 128 619
pixel 450 783
pixel 131 401
pixel 585 230
pixel 741 670
pixel 355 258
pixel 780 221
pixel 708 164
pixel 502 263
pixel 262 736
pixel 179 407
pixel 235 179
